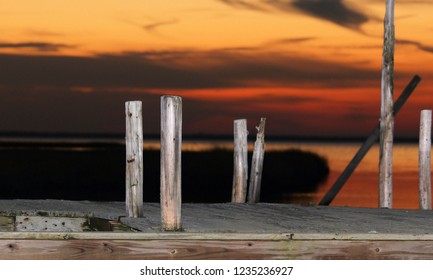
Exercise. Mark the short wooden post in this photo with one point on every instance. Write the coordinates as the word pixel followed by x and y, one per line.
pixel 134 159
pixel 386 114
pixel 257 164
pixel 171 144
pixel 240 161
pixel 424 160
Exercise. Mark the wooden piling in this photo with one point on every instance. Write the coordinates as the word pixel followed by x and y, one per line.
pixel 257 164
pixel 134 159
pixel 386 114
pixel 240 161
pixel 424 160
pixel 171 143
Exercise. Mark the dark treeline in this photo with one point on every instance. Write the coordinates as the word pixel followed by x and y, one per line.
pixel 98 173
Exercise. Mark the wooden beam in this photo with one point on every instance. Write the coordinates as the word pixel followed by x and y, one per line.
pixel 213 249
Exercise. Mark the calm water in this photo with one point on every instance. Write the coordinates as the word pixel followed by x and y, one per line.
pixel 361 190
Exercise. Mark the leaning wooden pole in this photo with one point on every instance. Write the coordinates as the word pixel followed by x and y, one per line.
pixel 134 159
pixel 257 164
pixel 424 160
pixel 369 142
pixel 386 114
pixel 171 143
pixel 240 162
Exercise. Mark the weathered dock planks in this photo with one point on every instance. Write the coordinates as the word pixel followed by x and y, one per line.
pixel 226 231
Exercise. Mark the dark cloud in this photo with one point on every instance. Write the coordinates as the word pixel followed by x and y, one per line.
pixel 420 46
pixel 184 69
pixel 87 94
pixel 39 46
pixel 60 109
pixel 335 11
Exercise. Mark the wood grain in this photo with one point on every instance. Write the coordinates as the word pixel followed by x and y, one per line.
pixel 257 164
pixel 386 114
pixel 134 159
pixel 213 249
pixel 240 161
pixel 171 145
pixel 424 160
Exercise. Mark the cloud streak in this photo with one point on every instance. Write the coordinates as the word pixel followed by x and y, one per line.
pixel 420 46
pixel 241 4
pixel 181 69
pixel 335 11
pixel 153 26
pixel 86 94
pixel 39 46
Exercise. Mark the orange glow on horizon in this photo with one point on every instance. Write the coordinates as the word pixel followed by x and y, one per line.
pixel 245 56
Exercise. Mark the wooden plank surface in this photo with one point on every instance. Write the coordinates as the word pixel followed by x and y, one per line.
pixel 243 218
pixel 214 249
pixel 226 231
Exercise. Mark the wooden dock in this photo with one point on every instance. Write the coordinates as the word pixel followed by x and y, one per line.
pixel 222 231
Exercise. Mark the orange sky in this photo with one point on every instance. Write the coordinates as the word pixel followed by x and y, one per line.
pixel 312 67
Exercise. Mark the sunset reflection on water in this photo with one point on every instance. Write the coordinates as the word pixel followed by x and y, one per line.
pixel 361 190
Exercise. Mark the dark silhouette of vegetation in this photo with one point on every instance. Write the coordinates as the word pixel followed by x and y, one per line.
pixel 98 173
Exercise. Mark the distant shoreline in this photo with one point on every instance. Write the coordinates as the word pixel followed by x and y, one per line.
pixel 118 138
pixel 99 174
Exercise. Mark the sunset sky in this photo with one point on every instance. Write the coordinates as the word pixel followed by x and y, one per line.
pixel 312 67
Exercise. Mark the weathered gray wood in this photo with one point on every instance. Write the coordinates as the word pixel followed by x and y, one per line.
pixel 257 164
pixel 369 142
pixel 424 160
pixel 6 223
pixel 240 161
pixel 219 219
pixel 226 231
pixel 386 114
pixel 134 159
pixel 171 149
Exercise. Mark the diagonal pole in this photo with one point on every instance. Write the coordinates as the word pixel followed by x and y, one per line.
pixel 374 136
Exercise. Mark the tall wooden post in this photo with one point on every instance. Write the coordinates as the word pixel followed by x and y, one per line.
pixel 424 160
pixel 257 164
pixel 386 114
pixel 350 168
pixel 171 144
pixel 240 161
pixel 134 159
